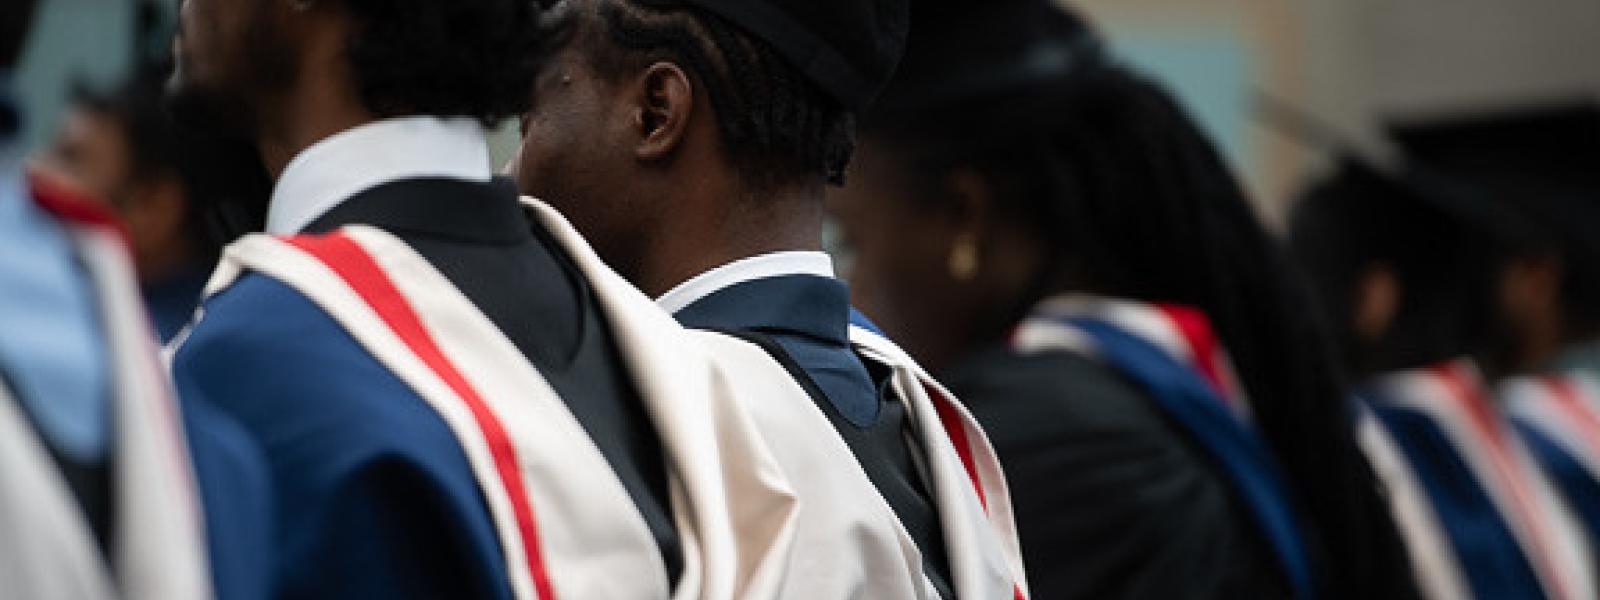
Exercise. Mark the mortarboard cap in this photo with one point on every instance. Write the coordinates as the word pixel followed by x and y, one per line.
pixel 986 75
pixel 959 54
pixel 848 47
pixel 1541 164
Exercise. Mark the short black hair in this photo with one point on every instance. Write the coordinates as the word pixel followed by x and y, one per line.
pixel 446 58
pixel 218 174
pixel 779 127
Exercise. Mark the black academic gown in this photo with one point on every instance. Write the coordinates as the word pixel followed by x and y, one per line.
pixel 1111 498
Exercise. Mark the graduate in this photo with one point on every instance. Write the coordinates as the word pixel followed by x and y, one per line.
pixel 1049 232
pixel 691 141
pixel 1407 268
pixel 122 146
pixel 1542 165
pixel 99 497
pixel 454 401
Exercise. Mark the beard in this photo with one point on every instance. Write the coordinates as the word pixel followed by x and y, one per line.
pixel 227 100
pixel 210 111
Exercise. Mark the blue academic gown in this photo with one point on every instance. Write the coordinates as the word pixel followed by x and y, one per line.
pixel 804 321
pixel 230 475
pixel 374 496
pixel 1491 559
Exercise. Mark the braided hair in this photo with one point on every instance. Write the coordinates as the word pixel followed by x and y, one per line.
pixel 1131 200
pixel 778 126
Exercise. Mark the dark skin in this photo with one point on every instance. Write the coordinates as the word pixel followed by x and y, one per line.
pixel 273 72
pixel 637 163
pixel 1533 313
pixel 904 227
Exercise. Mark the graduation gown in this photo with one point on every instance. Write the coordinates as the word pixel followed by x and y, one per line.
pixel 1509 533
pixel 1134 471
pixel 456 403
pixel 1559 417
pixel 163 507
pixel 907 503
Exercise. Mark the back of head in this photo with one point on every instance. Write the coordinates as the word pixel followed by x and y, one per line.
pixel 461 58
pixel 238 63
pixel 785 78
pixel 219 176
pixel 1359 220
pixel 1537 163
pixel 1132 200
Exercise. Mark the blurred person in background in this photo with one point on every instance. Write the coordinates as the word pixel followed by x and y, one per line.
pixel 1540 164
pixel 1050 233
pixel 692 141
pixel 122 146
pixel 99 498
pixel 1408 268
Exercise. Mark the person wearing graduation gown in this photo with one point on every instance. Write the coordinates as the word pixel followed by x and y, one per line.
pixel 1541 164
pixel 1406 265
pixel 1049 232
pixel 108 488
pixel 691 142
pixel 454 401
pixel 122 145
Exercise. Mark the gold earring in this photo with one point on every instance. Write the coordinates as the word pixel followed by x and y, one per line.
pixel 964 258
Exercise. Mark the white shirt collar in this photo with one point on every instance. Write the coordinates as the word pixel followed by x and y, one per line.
pixel 772 264
pixel 358 159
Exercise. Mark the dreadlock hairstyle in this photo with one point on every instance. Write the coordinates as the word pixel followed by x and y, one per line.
pixel 1133 201
pixel 776 124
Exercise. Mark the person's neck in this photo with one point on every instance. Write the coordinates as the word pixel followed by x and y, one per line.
pixel 723 228
pixel 322 104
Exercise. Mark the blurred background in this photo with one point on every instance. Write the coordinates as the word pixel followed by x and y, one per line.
pixel 1352 63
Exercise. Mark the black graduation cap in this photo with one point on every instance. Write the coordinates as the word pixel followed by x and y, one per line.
pixel 960 55
pixel 849 47
pixel 1539 165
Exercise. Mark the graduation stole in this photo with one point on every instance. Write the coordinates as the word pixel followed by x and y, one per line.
pixel 1173 353
pixel 968 482
pixel 158 549
pixel 1444 418
pixel 566 526
pixel 1559 417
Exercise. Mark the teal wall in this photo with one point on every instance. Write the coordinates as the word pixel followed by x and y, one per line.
pixel 72 41
pixel 1210 70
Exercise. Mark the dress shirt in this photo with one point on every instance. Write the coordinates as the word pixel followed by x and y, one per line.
pixel 361 158
pixel 773 264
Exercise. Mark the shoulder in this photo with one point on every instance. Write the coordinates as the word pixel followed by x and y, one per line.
pixel 289 374
pixel 1048 394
